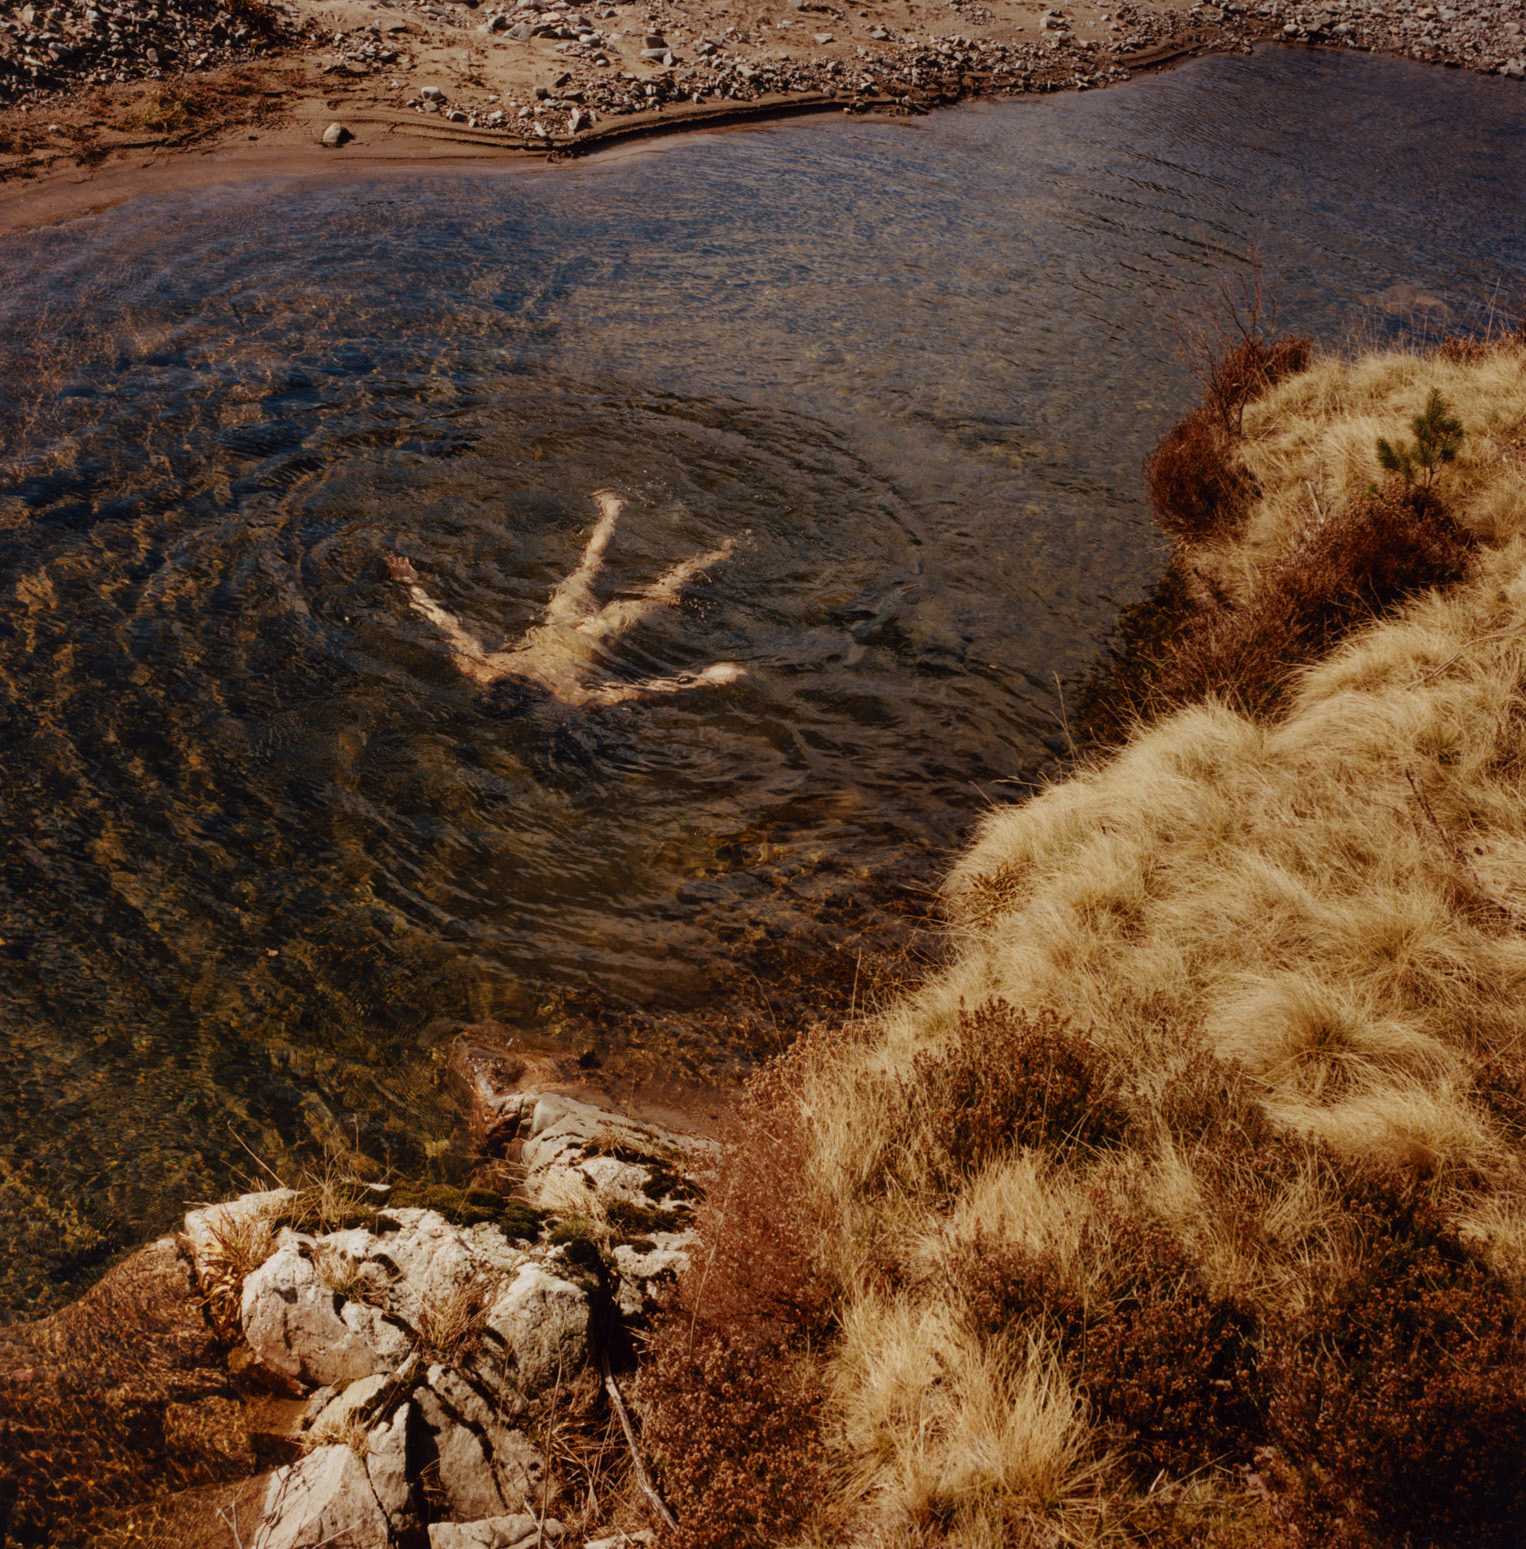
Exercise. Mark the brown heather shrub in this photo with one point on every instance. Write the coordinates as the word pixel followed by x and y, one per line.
pixel 732 1404
pixel 734 1423
pixel 1006 1079
pixel 1197 488
pixel 1399 1397
pixel 1236 374
pixel 1359 563
pixel 1167 1367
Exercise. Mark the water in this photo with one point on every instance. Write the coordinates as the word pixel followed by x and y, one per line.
pixel 264 849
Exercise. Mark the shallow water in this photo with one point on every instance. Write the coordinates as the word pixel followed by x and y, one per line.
pixel 264 848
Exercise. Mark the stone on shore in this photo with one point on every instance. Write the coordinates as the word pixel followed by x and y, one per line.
pixel 536 1329
pixel 327 1500
pixel 336 135
pixel 387 1468
pixel 511 1532
pixel 290 1321
pixel 482 1465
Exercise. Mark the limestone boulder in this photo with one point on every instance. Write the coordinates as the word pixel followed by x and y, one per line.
pixel 351 1406
pixel 292 1321
pixel 430 1262
pixel 536 1328
pixel 211 1229
pixel 484 1465
pixel 326 1500
pixel 387 1468
pixel 646 1269
pixel 578 1158
pixel 510 1532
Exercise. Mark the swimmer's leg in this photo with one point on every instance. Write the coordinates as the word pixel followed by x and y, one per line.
pixel 465 649
pixel 648 688
pixel 573 600
pixel 617 617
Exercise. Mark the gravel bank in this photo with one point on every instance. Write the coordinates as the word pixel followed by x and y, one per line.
pixel 80 79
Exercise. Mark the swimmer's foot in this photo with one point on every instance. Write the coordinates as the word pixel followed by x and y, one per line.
pixel 722 672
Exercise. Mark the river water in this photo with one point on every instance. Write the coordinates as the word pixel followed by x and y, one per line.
pixel 264 849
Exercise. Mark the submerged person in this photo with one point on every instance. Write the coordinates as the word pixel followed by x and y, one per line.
pixel 562 654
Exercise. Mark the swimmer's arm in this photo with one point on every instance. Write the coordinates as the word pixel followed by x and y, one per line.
pixel 467 650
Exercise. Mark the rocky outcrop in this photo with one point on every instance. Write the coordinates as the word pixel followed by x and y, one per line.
pixel 430 1350
pixel 363 1367
pixel 511 1532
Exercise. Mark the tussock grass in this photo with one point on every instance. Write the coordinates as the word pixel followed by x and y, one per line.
pixel 1262 1205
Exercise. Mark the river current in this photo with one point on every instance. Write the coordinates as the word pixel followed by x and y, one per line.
pixel 262 849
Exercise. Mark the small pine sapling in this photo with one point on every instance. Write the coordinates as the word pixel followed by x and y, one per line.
pixel 1438 435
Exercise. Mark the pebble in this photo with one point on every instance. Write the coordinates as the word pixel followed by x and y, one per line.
pixel 336 135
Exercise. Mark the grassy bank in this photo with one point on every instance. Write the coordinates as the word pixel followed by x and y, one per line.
pixel 1188 1205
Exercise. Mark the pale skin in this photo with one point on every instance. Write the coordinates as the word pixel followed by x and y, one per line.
pixel 563 653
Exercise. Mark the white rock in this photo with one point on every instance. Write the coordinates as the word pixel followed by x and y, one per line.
pixel 290 1321
pixel 355 1397
pixel 327 1500
pixel 536 1328
pixel 514 1532
pixel 643 1273
pixel 212 1225
pixel 432 1261
pixel 387 1467
pixel 369 1324
pixel 463 1472
pixel 336 135
pixel 515 1466
pixel 568 1156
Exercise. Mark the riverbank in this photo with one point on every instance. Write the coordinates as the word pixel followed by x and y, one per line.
pixel 95 103
pixel 1186 1206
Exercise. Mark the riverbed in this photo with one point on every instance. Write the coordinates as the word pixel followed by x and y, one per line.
pixel 266 850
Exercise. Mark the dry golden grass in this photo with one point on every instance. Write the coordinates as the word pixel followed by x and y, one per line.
pixel 1330 902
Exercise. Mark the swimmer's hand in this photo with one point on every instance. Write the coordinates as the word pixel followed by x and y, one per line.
pixel 401 569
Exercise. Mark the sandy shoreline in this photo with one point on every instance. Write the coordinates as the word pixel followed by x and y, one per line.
pixel 416 83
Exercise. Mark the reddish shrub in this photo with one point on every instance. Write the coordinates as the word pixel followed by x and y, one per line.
pixel 732 1409
pixel 1011 1079
pixel 1463 350
pixel 1196 490
pixel 1168 1368
pixel 1399 1397
pixel 734 1424
pixel 1237 373
pixel 1356 565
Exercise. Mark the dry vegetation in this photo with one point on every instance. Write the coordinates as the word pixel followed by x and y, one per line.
pixel 1188 1206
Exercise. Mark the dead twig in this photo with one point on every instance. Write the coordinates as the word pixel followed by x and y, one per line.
pixel 643 1478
